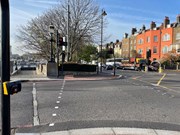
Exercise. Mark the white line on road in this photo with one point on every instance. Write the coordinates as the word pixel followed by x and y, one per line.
pixel 54 114
pixel 57 102
pixel 60 93
pixel 164 94
pixel 36 120
pixel 56 107
pixel 51 124
pixel 59 97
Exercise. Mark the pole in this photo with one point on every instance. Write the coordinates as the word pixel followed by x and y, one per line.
pixel 51 48
pixel 57 46
pixel 101 40
pixel 5 62
pixel 114 61
pixel 68 44
pixel 62 70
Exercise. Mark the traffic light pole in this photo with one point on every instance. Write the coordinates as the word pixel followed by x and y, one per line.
pixel 5 62
pixel 57 46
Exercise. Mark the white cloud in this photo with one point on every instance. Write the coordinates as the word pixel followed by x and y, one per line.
pixel 44 4
pixel 21 13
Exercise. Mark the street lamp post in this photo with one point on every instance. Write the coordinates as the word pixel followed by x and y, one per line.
pixel 114 60
pixel 51 31
pixel 63 56
pixel 102 15
pixel 57 47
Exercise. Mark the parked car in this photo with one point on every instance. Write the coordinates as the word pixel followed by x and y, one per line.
pixel 109 67
pixel 154 66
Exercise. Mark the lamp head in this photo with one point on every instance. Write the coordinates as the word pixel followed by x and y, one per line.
pixel 104 13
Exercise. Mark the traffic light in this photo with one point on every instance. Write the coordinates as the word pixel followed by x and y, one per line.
pixel 62 42
pixel 12 87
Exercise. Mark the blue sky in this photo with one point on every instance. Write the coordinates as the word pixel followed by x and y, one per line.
pixel 122 15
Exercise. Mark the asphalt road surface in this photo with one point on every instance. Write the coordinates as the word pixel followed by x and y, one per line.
pixel 134 100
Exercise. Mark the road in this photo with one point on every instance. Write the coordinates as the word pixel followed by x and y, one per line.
pixel 134 100
pixel 21 107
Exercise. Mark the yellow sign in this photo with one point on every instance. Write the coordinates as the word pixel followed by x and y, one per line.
pixel 5 88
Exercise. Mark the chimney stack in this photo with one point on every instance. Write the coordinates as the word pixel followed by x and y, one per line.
pixel 143 27
pixel 153 25
pixel 125 35
pixel 133 31
pixel 166 21
pixel 178 19
pixel 117 40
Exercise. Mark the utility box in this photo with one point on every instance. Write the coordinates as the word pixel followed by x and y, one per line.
pixel 52 69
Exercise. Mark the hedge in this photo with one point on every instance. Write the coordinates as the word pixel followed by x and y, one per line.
pixel 78 67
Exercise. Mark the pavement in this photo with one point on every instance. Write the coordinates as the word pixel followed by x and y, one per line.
pixel 108 131
pixel 98 130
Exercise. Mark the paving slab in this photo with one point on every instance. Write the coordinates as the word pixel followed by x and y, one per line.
pixel 92 131
pixel 133 131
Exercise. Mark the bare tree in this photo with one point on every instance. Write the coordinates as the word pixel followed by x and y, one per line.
pixel 84 27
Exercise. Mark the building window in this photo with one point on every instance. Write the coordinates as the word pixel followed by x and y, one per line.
pixel 140 41
pixel 178 50
pixel 140 51
pixel 166 37
pixel 155 38
pixel 170 48
pixel 165 49
pixel 155 49
pixel 148 39
pixel 177 36
pixel 131 42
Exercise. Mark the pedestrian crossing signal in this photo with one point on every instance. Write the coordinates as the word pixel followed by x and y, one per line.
pixel 12 87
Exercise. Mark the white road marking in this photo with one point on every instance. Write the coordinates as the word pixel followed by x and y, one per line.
pixel 51 124
pixel 36 120
pixel 56 107
pixel 54 114
pixel 62 88
pixel 60 93
pixel 57 102
pixel 59 97
pixel 164 94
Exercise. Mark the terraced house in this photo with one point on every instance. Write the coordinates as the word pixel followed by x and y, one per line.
pixel 176 35
pixel 125 46
pixel 157 40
